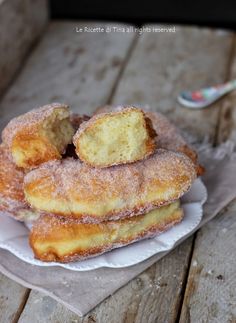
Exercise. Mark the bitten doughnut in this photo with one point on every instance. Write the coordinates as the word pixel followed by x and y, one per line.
pixel 65 240
pixel 12 198
pixel 115 138
pixel 39 135
pixel 168 136
pixel 72 188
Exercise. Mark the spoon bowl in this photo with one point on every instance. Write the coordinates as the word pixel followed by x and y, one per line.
pixel 202 98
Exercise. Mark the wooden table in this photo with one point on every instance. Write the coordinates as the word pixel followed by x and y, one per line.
pixel 196 282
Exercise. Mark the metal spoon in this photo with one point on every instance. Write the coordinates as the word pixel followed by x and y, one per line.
pixel 203 98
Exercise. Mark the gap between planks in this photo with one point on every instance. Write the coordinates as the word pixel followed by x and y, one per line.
pixel 184 310
pixel 120 74
pixel 193 243
pixel 22 306
pixel 31 18
pixel 185 279
pixel 223 110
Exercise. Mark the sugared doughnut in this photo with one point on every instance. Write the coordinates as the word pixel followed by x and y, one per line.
pixel 72 188
pixel 168 136
pixel 11 189
pixel 39 135
pixel 64 240
pixel 11 180
pixel 115 138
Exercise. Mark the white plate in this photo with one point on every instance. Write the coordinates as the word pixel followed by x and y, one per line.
pixel 14 238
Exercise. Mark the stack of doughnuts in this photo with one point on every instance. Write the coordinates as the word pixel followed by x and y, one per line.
pixel 92 184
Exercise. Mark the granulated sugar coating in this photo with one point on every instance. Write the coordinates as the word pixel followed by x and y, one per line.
pixel 39 135
pixel 11 180
pixel 31 119
pixel 12 199
pixel 169 137
pixel 11 186
pixel 71 188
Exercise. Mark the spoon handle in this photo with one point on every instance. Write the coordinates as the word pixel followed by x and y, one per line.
pixel 229 86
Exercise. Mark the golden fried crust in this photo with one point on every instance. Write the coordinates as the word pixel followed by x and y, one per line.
pixel 39 135
pixel 11 178
pixel 168 136
pixel 11 182
pixel 71 188
pixel 114 138
pixel 65 240
pixel 11 188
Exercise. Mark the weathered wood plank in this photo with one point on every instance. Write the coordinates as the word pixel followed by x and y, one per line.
pixel 210 294
pixel 158 68
pixel 164 64
pixel 12 299
pixel 135 302
pixel 76 68
pixel 161 66
pixel 21 24
pixel 227 119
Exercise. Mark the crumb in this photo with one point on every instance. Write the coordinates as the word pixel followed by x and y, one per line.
pixel 194 263
pixel 210 272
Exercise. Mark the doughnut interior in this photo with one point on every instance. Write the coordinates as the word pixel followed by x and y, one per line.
pixel 39 135
pixel 115 138
pixel 168 136
pixel 64 240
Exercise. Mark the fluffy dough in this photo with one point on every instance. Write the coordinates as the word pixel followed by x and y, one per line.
pixel 39 135
pixel 115 138
pixel 168 136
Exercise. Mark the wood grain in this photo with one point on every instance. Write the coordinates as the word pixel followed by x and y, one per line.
pixel 210 292
pixel 210 295
pixel 21 24
pixel 227 118
pixel 158 67
pixel 76 68
pixel 147 298
pixel 164 64
pixel 65 66
pixel 12 299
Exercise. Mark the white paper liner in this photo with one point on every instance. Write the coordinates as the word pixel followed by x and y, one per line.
pixel 14 238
